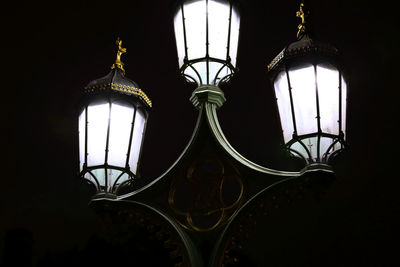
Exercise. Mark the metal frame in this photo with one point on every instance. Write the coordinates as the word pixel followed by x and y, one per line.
pixel 189 63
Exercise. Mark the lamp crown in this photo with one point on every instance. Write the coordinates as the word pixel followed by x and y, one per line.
pixel 302 15
pixel 120 50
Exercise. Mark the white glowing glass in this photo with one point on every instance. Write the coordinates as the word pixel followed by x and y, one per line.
pixel 100 175
pixel 207 26
pixel 218 28
pixel 234 39
pixel 97 119
pixel 283 100
pixel 302 81
pixel 89 177
pixel 112 176
pixel 115 177
pixel 137 138
pixel 179 36
pixel 82 132
pixel 195 24
pixel 300 149
pixel 191 75
pixel 310 143
pixel 214 69
pixel 344 103
pixel 201 68
pixel 124 177
pixel 326 142
pixel 120 130
pixel 328 92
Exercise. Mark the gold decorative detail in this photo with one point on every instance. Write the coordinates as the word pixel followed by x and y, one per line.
pixel 276 60
pixel 302 25
pixel 198 197
pixel 122 88
pixel 132 90
pixel 118 63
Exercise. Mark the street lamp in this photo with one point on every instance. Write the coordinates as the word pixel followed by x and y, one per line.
pixel 207 33
pixel 311 95
pixel 112 122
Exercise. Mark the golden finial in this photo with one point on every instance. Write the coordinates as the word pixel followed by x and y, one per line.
pixel 118 63
pixel 302 15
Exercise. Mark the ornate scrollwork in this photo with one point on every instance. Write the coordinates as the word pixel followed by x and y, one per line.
pixel 202 198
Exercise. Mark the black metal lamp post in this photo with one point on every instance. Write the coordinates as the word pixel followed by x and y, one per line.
pixel 311 95
pixel 112 122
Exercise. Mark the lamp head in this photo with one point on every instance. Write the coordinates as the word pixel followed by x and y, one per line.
pixel 311 94
pixel 207 33
pixel 112 119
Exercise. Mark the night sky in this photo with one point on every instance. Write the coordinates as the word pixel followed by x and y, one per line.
pixel 51 50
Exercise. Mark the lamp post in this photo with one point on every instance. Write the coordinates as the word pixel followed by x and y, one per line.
pixel 112 121
pixel 204 196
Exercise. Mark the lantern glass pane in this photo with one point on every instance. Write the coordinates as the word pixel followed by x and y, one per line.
pixel 100 175
pixel 195 24
pixel 328 95
pixel 310 143
pixel 120 130
pixel 234 39
pixel 214 69
pixel 97 118
pixel 136 140
pixel 179 36
pixel 115 178
pixel 302 81
pixel 89 177
pixel 218 28
pixel 283 101
pixel 325 143
pixel 201 68
pixel 112 176
pixel 223 73
pixel 300 149
pixel 124 177
pixel 82 132
pixel 344 103
pixel 312 146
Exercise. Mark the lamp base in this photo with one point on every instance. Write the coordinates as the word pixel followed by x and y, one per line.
pixel 314 167
pixel 207 93
pixel 104 196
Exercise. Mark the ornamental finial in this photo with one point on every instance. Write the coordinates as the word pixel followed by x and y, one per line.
pixel 303 16
pixel 118 63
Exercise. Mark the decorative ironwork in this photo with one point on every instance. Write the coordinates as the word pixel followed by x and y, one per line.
pixel 198 198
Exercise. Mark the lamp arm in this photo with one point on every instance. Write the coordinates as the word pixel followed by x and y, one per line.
pixel 212 119
pixel 188 146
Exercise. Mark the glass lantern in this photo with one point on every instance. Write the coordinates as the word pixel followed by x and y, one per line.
pixel 311 96
pixel 112 122
pixel 207 33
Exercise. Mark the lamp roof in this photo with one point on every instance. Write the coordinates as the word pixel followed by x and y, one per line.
pixel 304 46
pixel 115 81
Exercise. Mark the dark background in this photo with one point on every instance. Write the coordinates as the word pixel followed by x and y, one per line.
pixel 51 50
